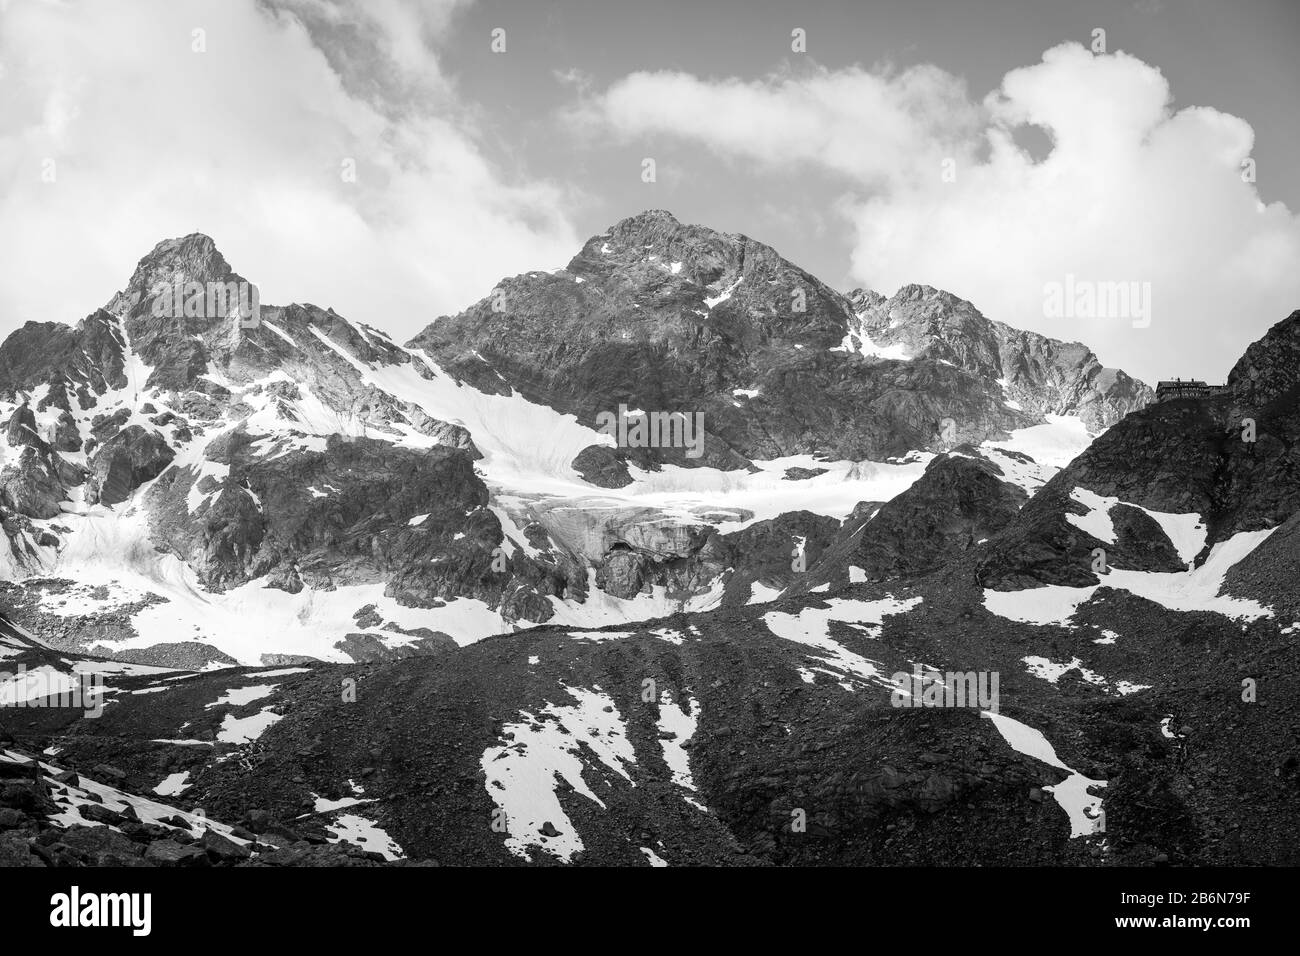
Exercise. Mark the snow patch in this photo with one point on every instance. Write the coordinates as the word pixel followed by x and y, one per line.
pixel 1195 590
pixel 712 301
pixel 1072 793
pixel 244 730
pixel 173 784
pixel 351 828
pixel 811 627
pixel 676 727
pixel 522 774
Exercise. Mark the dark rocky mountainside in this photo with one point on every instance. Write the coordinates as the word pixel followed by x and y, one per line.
pixel 1231 458
pixel 1039 375
pixel 755 718
pixel 658 315
pixel 962 500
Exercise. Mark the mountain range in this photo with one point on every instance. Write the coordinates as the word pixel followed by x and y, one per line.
pixel 368 602
pixel 191 470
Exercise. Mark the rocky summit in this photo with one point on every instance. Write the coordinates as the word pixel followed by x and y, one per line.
pixel 673 556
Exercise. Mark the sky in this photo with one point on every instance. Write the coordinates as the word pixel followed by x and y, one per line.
pixel 393 159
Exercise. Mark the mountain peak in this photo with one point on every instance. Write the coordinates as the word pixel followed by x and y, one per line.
pixel 652 227
pixel 650 217
pixel 864 298
pixel 916 290
pixel 185 259
pixel 195 253
pixel 657 236
pixel 195 240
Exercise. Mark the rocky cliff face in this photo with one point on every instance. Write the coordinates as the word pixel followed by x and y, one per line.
pixel 1038 375
pixel 1269 371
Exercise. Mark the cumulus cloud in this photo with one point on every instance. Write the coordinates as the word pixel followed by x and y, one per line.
pixel 868 126
pixel 1130 191
pixel 121 126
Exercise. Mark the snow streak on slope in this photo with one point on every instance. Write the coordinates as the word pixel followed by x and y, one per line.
pixel 239 696
pixel 1072 793
pixel 1097 521
pixel 86 791
pixel 528 450
pixel 110 550
pixel 521 775
pixel 812 627
pixel 1052 671
pixel 1057 442
pixel 356 829
pixel 601 609
pixel 1196 590
pixel 857 341
pixel 677 726
pixel 245 730
pixel 1186 532
pixel 173 785
pixel 35 684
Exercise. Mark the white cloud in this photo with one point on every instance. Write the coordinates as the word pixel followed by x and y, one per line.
pixel 246 142
pixel 865 125
pixel 1131 191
